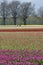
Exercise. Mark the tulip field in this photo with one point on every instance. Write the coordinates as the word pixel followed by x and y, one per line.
pixel 21 40
pixel 21 48
pixel 21 57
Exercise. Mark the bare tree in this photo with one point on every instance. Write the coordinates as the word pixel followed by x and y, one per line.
pixel 40 12
pixel 25 11
pixel 40 15
pixel 4 10
pixel 13 9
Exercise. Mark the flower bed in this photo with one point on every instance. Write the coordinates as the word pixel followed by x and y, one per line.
pixel 22 30
pixel 21 57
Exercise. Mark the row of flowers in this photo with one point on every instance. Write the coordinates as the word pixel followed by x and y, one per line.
pixel 21 30
pixel 21 57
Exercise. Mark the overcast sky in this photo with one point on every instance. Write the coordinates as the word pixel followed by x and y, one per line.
pixel 38 3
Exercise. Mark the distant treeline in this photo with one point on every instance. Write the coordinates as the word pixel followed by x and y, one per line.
pixel 17 13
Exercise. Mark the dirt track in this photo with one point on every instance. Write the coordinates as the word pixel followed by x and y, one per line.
pixel 21 27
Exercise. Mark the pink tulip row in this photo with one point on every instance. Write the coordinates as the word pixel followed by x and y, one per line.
pixel 21 57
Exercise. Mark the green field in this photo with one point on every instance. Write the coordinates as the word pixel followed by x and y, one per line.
pixel 21 40
pixel 19 21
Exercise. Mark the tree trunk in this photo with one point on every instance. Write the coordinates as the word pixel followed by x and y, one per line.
pixel 14 21
pixel 4 21
pixel 24 21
